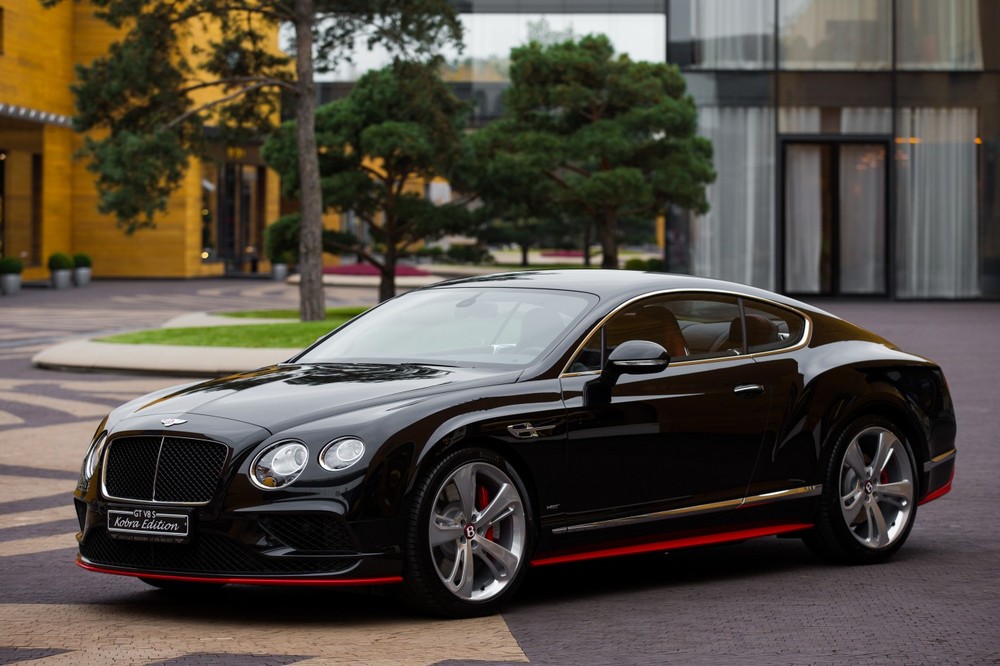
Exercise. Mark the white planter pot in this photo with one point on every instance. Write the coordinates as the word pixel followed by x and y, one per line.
pixel 10 283
pixel 62 278
pixel 81 276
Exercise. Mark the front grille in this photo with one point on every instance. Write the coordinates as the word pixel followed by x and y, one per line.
pixel 207 554
pixel 310 532
pixel 163 469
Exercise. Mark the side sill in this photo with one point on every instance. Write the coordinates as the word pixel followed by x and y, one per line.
pixel 674 544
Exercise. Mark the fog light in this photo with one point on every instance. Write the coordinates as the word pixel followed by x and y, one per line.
pixel 341 453
pixel 279 465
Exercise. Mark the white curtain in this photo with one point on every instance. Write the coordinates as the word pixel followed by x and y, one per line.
pixel 804 215
pixel 938 34
pixel 937 217
pixel 733 34
pixel 862 218
pixel 865 120
pixel 835 34
pixel 799 120
pixel 735 239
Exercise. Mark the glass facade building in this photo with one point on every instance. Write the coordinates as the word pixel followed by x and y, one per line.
pixel 855 140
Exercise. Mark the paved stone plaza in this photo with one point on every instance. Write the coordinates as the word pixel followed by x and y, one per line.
pixel 764 601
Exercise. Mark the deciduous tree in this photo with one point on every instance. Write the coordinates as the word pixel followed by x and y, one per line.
pixel 154 93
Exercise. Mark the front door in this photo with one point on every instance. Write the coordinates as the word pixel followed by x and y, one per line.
pixel 835 217
pixel 680 440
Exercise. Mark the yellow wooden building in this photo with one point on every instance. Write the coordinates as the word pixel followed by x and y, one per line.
pixel 48 201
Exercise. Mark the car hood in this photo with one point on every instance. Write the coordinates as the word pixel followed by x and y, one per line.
pixel 282 396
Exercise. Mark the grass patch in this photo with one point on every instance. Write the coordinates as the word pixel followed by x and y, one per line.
pixel 292 335
pixel 331 313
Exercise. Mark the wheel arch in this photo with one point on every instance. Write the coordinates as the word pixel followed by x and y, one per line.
pixel 891 405
pixel 446 446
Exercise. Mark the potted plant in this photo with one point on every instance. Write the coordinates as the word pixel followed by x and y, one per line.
pixel 81 269
pixel 10 275
pixel 61 267
pixel 281 241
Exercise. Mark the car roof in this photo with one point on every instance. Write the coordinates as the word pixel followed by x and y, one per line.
pixel 610 284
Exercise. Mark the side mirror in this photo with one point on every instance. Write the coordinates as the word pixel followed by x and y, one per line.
pixel 634 357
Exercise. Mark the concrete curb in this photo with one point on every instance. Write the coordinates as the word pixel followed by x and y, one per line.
pixel 89 356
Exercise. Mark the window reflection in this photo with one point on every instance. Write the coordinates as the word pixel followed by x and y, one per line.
pixel 835 34
pixel 722 34
pixel 938 35
pixel 490 37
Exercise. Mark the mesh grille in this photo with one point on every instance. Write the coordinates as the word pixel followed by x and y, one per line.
pixel 306 532
pixel 182 470
pixel 209 553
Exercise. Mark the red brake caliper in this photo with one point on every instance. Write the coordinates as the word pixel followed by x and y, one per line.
pixel 482 501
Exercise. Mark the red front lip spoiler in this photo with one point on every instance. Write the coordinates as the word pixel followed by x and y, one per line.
pixel 300 582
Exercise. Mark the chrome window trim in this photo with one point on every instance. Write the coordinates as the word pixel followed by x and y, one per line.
pixel 764 498
pixel 804 341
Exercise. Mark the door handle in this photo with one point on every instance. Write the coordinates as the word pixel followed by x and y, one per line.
pixel 749 390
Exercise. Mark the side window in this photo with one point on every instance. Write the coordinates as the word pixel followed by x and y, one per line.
pixel 770 327
pixel 688 326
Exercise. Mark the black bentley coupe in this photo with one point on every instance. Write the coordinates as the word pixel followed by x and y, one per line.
pixel 452 438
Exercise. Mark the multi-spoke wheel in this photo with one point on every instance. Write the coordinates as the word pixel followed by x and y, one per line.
pixel 470 535
pixel 868 502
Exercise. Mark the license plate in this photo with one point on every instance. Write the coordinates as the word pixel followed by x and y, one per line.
pixel 148 525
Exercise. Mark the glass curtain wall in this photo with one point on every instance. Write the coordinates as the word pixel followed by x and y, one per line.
pixel 937 219
pixel 928 180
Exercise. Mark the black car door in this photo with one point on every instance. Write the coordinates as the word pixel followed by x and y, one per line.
pixel 677 441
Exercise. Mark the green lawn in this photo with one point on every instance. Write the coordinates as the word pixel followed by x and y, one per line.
pixel 292 335
pixel 331 313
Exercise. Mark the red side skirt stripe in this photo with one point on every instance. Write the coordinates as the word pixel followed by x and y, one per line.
pixel 674 544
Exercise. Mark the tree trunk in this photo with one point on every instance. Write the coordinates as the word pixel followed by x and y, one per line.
pixel 524 253
pixel 387 284
pixel 606 237
pixel 586 244
pixel 311 297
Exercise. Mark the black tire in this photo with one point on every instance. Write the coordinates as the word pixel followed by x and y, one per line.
pixel 865 515
pixel 437 578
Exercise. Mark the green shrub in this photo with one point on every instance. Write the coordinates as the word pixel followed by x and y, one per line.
pixel 635 264
pixel 655 264
pixel 11 266
pixel 81 260
pixel 281 240
pixel 469 254
pixel 60 261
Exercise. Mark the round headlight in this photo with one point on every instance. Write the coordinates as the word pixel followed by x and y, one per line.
pixel 341 453
pixel 93 457
pixel 279 465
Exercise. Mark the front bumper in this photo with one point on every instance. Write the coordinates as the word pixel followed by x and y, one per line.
pixel 306 546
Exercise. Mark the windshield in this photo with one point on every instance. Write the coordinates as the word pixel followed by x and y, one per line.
pixel 457 326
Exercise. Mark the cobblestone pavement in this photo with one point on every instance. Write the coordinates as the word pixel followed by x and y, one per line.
pixel 763 601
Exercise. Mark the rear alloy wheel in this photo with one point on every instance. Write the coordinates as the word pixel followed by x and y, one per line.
pixel 470 536
pixel 869 495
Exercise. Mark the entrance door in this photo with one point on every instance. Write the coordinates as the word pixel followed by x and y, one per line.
pixel 835 217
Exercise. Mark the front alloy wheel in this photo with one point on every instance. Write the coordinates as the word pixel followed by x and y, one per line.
pixel 470 537
pixel 868 504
